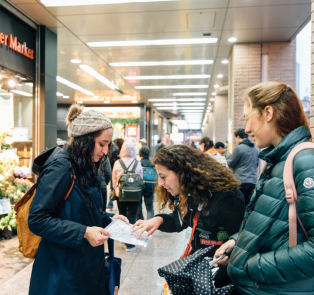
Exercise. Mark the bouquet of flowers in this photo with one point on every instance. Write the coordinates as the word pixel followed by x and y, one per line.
pixel 8 161
pixel 6 139
pixel 9 221
pixel 22 171
pixel 22 185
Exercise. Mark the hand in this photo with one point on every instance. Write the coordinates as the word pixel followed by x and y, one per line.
pixel 152 225
pixel 121 217
pixel 96 236
pixel 221 250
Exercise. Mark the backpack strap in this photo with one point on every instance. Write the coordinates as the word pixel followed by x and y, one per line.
pixel 123 166
pixel 134 166
pixel 291 192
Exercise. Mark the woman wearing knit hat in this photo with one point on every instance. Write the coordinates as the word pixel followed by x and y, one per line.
pixel 70 257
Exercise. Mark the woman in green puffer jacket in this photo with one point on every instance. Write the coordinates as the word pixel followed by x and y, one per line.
pixel 262 262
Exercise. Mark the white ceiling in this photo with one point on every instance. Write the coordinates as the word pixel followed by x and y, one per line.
pixel 247 20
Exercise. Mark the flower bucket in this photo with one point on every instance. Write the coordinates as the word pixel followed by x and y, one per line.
pixel 7 234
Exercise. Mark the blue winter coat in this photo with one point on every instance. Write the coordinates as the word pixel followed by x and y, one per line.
pixel 66 263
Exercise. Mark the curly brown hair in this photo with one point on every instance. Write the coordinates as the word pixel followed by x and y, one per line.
pixel 199 175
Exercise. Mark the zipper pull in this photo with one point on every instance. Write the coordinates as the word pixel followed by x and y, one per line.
pixel 255 286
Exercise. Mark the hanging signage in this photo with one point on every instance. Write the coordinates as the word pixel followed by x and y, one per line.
pixel 131 131
pixel 121 112
pixel 12 43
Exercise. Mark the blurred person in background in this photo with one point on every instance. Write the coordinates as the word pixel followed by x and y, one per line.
pixel 193 145
pixel 149 186
pixel 105 177
pixel 244 162
pixel 159 145
pixel 128 156
pixel 222 150
pixel 207 145
pixel 167 140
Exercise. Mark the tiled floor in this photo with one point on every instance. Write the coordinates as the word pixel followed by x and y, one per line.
pixel 139 268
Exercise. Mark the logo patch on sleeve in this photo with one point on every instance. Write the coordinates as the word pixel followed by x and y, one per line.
pixel 308 182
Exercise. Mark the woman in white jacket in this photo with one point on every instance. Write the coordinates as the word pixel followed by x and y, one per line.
pixel 127 155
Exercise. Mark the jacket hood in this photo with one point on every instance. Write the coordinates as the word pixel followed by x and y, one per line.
pixel 296 136
pixel 128 150
pixel 45 157
pixel 247 142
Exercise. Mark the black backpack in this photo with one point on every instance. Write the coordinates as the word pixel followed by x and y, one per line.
pixel 130 184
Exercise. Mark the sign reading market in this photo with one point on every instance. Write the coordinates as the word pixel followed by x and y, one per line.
pixel 12 43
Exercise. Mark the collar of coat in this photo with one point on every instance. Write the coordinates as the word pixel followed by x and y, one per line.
pixel 275 154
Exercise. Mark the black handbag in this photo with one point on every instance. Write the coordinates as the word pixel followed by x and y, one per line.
pixel 192 275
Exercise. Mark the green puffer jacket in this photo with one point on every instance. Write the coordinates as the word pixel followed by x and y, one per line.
pixel 262 262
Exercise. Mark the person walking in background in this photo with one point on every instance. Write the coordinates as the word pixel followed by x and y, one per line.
pixel 207 145
pixel 113 158
pixel 222 150
pixel 159 146
pixel 70 257
pixel 150 181
pixel 128 156
pixel 167 140
pixel 193 145
pixel 262 263
pixel 244 162
pixel 105 173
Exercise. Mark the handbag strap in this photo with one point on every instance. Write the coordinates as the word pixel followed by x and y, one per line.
pixel 195 220
pixel 291 193
pixel 111 248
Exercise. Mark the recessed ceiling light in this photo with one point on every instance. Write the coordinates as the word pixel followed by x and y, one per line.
pixel 22 93
pixel 107 101
pixel 95 96
pixel 172 87
pixel 134 101
pixel 220 76
pixel 225 61
pixel 176 99
pixel 76 61
pixel 214 93
pixel 178 104
pixel 29 84
pixel 167 77
pixel 19 84
pixel 190 94
pixel 66 97
pixel 209 108
pixel 216 86
pixel 12 83
pixel 161 63
pixel 212 99
pixel 153 42
pixel 127 96
pixel 59 94
pixel 99 77
pixel 232 39
pixel 79 102
pixel 74 86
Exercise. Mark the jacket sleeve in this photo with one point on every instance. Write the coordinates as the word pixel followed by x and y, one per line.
pixel 234 158
pixel 172 222
pixel 296 263
pixel 52 187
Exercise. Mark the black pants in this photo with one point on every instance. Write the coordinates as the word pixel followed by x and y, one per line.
pixel 247 190
pixel 104 198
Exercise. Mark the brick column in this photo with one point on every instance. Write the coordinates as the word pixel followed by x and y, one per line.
pixel 312 72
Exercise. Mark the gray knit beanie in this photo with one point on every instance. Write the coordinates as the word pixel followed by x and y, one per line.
pixel 80 123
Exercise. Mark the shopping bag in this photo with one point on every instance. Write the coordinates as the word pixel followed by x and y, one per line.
pixel 192 275
pixel 113 269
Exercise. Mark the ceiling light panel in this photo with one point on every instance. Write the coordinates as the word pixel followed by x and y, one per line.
pixel 153 42
pixel 172 87
pixel 167 77
pixel 74 86
pixel 162 63
pixel 189 94
pixel 177 104
pixel 99 77
pixel 180 108
pixel 22 93
pixel 176 99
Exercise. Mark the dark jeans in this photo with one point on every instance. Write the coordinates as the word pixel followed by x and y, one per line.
pixel 104 198
pixel 247 190
pixel 149 203
pixel 128 209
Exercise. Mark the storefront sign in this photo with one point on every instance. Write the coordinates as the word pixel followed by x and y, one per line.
pixel 121 112
pixel 6 107
pixel 12 43
pixel 131 131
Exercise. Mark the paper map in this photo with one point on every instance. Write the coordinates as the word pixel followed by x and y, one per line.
pixel 120 231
